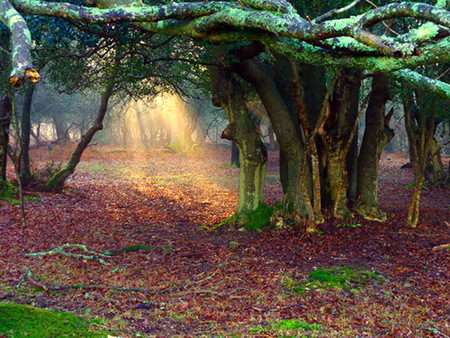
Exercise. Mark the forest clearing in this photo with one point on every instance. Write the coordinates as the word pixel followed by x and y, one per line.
pixel 160 266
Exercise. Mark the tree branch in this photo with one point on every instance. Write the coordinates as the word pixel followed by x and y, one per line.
pixel 22 68
pixel 437 87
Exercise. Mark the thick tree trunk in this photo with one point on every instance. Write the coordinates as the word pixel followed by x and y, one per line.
pixel 337 134
pixel 25 171
pixel 56 183
pixel 5 122
pixel 285 130
pixel 376 135
pixel 228 94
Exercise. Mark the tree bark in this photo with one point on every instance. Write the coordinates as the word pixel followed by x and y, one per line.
pixel 56 183
pixel 420 128
pixel 285 130
pixel 376 135
pixel 228 94
pixel 337 134
pixel 25 171
pixel 5 122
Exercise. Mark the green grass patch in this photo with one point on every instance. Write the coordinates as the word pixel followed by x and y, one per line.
pixel 27 321
pixel 343 278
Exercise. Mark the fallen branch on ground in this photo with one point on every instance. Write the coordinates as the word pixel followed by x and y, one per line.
pixel 94 256
pixel 441 247
pixel 27 276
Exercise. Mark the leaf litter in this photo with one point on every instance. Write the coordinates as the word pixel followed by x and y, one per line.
pixel 191 282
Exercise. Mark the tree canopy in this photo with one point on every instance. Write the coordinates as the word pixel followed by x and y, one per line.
pixel 333 38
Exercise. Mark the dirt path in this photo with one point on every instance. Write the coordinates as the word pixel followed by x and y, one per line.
pixel 199 284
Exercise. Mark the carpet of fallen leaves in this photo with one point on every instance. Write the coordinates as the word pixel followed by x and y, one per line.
pixel 193 283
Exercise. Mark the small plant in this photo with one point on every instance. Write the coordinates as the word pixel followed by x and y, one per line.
pixel 47 172
pixel 412 185
pixel 7 190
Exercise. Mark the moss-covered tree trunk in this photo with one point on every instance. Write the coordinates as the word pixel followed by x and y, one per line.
pixel 25 123
pixel 420 128
pixel 56 183
pixel 228 94
pixel 337 132
pixel 376 135
pixel 285 130
pixel 5 122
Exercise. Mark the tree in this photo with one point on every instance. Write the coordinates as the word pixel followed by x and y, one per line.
pixel 5 121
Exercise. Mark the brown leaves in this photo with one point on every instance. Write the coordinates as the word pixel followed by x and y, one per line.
pixel 158 200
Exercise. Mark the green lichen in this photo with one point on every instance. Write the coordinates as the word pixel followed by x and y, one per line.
pixel 442 3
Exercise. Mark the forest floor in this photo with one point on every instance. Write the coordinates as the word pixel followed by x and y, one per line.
pixel 192 279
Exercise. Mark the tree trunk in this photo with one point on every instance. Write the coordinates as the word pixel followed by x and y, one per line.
pixel 337 134
pixel 285 130
pixel 5 122
pixel 25 171
pixel 376 135
pixel 56 183
pixel 228 94
pixel 420 130
pixel 60 128
pixel 235 155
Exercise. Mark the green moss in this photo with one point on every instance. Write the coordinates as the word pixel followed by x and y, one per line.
pixel 27 321
pixel 286 328
pixel 295 324
pixel 343 278
pixel 255 220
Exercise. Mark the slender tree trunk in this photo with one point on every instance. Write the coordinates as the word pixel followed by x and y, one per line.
pixel 60 128
pixel 25 171
pixel 228 94
pixel 376 135
pixel 5 122
pixel 56 183
pixel 420 131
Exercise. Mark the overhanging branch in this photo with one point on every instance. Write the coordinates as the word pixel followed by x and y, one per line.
pixel 22 67
pixel 439 88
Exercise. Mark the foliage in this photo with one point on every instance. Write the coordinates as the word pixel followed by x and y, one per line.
pixel 7 190
pixel 27 321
